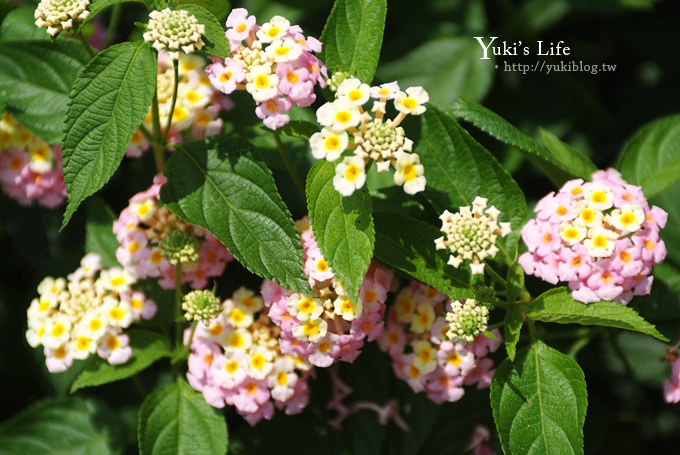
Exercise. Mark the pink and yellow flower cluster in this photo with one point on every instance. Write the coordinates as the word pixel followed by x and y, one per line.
pixel 86 314
pixel 274 63
pixel 236 360
pixel 416 338
pixel 600 236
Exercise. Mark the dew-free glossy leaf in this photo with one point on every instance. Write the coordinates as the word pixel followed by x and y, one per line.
pixel 651 158
pixel 61 426
pixel 99 236
pixel 176 420
pixel 557 305
pixel 216 42
pixel 499 128
pixel 539 403
pixel 352 37
pixel 147 347
pixel 108 102
pixel 218 185
pixel 458 169
pixel 407 245
pixel 574 161
pixel 449 68
pixel 343 226
pixel 36 77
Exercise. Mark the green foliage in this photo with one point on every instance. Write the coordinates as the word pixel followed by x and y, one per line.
pixel 539 403
pixel 298 128
pixel 352 37
pixel 514 320
pixel 557 305
pixel 218 8
pixel 407 245
pixel 558 165
pixel 343 226
pixel 99 236
pixel 458 169
pixel 449 68
pixel 36 77
pixel 651 158
pixel 61 426
pixel 218 185
pixel 216 43
pixel 108 102
pixel 176 420
pixel 573 160
pixel 19 25
pixel 147 347
pixel 97 6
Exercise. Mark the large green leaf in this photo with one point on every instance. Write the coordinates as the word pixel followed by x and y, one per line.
pixel 352 37
pixel 147 347
pixel 176 420
pixel 557 305
pixel 574 161
pixel 499 128
pixel 99 236
pixel 458 169
pixel 216 43
pixel 36 77
pixel 218 185
pixel 19 25
pixel 61 426
pixel 511 330
pixel 108 102
pixel 651 158
pixel 343 226
pixel 407 245
pixel 219 8
pixel 539 403
pixel 461 74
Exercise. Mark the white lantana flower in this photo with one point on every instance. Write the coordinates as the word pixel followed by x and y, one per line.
pixel 411 102
pixel 409 172
pixel 349 175
pixel 175 31
pixel 57 15
pixel 328 144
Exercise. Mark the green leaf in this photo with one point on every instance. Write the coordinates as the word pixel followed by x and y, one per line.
pixel 352 37
pixel 651 158
pixel 218 185
pixel 574 161
pixel 176 420
pixel 298 128
pixel 37 76
pixel 109 100
pixel 19 25
pixel 407 245
pixel 343 226
pixel 511 330
pixel 61 426
pixel 97 6
pixel 539 403
pixel 99 236
pixel 460 74
pixel 216 43
pixel 458 169
pixel 499 128
pixel 557 305
pixel 218 8
pixel 515 281
pixel 147 347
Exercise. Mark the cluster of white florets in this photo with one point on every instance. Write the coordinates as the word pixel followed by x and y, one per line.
pixel 174 31
pixel 57 15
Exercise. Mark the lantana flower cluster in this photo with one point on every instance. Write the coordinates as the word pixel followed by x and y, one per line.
pixel 174 31
pixel 197 106
pixel 372 137
pixel 471 234
pixel 153 241
pixel 273 62
pixel 57 15
pixel 327 327
pixel 236 360
pixel 30 168
pixel 417 338
pixel 600 236
pixel 85 314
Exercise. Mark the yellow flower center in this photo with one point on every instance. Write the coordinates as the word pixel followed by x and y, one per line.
pixel 352 173
pixel 261 81
pixel 409 103
pixel 409 172
pixel 332 143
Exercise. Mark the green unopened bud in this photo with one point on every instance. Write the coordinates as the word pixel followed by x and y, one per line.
pixel 336 79
pixel 180 248
pixel 201 305
pixel 466 320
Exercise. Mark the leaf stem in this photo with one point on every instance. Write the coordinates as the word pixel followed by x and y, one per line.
pixel 495 275
pixel 532 330
pixel 289 167
pixel 175 66
pixel 85 44
pixel 156 146
pixel 113 24
pixel 497 325
pixel 178 306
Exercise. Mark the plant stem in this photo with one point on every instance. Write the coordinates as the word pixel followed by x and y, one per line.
pixel 85 44
pixel 289 167
pixel 113 24
pixel 175 66
pixel 178 306
pixel 156 145
pixel 532 330
pixel 495 275
pixel 497 325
